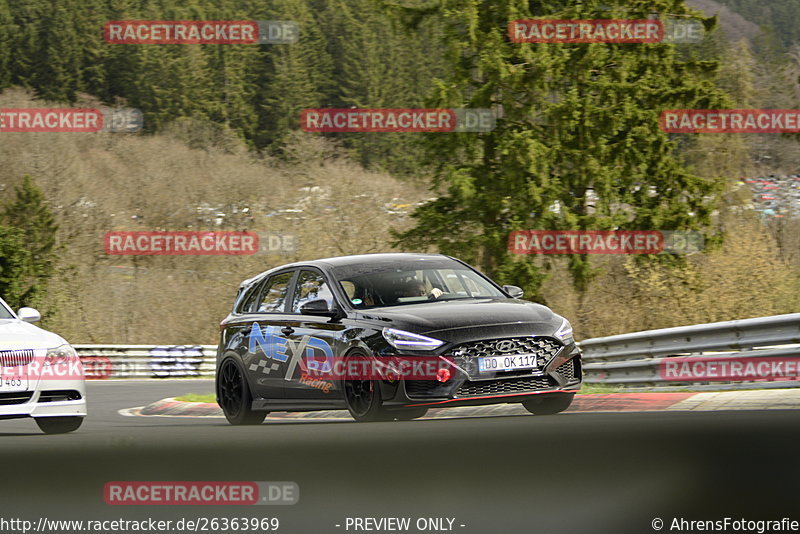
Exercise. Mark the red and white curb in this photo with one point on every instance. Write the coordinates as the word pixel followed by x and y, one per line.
pixel 174 408
pixel 773 399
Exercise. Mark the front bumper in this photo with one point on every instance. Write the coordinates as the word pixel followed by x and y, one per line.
pixel 50 398
pixel 562 373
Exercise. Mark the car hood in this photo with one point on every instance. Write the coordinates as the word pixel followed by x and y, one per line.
pixel 16 334
pixel 455 317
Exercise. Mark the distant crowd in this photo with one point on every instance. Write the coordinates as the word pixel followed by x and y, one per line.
pixel 776 195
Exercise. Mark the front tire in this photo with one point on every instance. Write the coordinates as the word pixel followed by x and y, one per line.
pixel 234 397
pixel 549 405
pixel 363 398
pixel 59 425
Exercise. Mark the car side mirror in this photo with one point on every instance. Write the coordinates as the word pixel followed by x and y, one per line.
pixel 318 307
pixel 513 291
pixel 29 315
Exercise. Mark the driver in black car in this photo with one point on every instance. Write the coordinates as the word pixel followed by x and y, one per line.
pixel 417 288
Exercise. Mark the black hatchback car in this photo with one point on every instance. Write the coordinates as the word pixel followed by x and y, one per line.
pixel 388 336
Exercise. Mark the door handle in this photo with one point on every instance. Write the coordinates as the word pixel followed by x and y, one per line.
pixel 287 330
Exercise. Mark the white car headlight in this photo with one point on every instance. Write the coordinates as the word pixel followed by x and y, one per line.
pixel 564 333
pixel 62 354
pixel 400 339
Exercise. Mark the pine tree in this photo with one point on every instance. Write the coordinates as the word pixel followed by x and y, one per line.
pixel 15 267
pixel 118 60
pixel 7 31
pixel 727 156
pixel 29 213
pixel 56 66
pixel 232 69
pixel 292 77
pixel 737 74
pixel 576 122
pixel 380 64
pixel 25 40
pixel 775 83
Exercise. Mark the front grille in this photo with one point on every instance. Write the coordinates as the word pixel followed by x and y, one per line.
pixel 16 397
pixel 15 358
pixel 420 387
pixel 57 395
pixel 466 355
pixel 507 385
pixel 567 370
pixel 427 388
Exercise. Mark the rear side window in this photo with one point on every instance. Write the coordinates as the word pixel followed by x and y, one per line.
pixel 247 302
pixel 273 296
pixel 311 285
pixel 269 296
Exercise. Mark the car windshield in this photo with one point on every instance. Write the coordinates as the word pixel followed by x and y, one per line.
pixel 5 313
pixel 372 285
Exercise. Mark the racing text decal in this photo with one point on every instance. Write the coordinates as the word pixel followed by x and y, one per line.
pixel 279 350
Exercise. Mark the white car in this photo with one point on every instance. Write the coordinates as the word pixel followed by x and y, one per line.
pixel 41 375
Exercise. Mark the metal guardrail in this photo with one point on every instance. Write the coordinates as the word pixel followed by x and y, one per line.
pixel 748 353
pixel 761 352
pixel 147 361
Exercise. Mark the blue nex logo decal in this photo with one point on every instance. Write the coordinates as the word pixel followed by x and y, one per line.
pixel 279 349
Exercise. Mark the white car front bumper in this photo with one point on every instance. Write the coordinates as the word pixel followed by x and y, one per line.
pixel 49 398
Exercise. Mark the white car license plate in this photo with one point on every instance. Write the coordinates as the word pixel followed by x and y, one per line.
pixel 13 379
pixel 510 362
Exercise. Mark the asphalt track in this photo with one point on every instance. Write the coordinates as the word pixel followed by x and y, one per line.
pixel 574 472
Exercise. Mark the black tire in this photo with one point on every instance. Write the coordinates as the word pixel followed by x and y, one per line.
pixel 408 414
pixel 59 425
pixel 234 397
pixel 363 399
pixel 550 404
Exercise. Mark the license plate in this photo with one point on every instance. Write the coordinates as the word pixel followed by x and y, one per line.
pixel 13 380
pixel 511 362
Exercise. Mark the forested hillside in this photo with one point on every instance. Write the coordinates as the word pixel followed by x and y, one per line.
pixel 352 53
pixel 780 16
pixel 577 146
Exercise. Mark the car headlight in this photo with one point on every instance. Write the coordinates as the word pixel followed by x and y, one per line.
pixel 62 354
pixel 564 333
pixel 400 339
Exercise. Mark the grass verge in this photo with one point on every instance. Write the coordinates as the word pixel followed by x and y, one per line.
pixel 196 397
